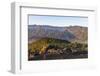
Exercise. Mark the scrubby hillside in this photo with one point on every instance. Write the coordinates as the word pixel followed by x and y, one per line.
pixel 50 48
pixel 43 43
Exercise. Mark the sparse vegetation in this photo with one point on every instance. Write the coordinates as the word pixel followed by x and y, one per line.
pixel 47 42
pixel 50 48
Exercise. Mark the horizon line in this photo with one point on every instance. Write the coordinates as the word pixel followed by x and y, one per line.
pixel 54 26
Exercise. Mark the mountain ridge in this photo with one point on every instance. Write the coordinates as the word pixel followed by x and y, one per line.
pixel 70 33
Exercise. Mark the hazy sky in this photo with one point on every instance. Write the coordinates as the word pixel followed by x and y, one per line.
pixel 58 20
